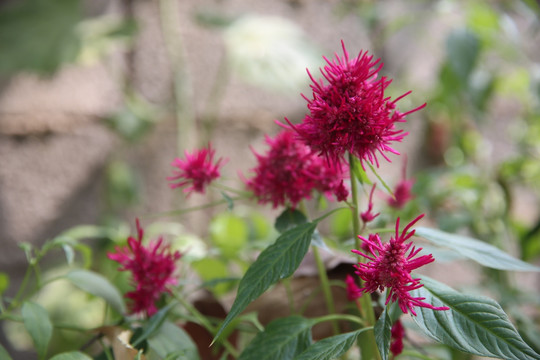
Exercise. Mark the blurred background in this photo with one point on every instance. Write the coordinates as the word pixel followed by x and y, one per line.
pixel 97 98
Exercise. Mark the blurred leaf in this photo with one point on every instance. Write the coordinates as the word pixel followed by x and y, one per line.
pixel 341 225
pixel 213 19
pixel 479 251
pixel 463 49
pixel 153 325
pixel 4 282
pixel 211 269
pixel 484 21
pixel 4 354
pixel 230 202
pixel 73 355
pixel 331 347
pixel 229 233
pixel 474 324
pixel 121 185
pixel 288 219
pixel 99 286
pixel 38 35
pixel 37 323
pixel 276 262
pixel 260 225
pixel 383 335
pixel 171 339
pixel 134 119
pixel 283 339
pixel 482 88
pixel 69 252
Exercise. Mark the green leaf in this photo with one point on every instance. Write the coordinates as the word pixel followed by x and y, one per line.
pixel 39 35
pixel 152 325
pixel 330 348
pixel 73 355
pixel 282 339
pixel 4 354
pixel 4 282
pixel 170 339
pixel 474 324
pixel 276 262
pixel 37 323
pixel 383 335
pixel 69 252
pixel 463 48
pixel 99 286
pixel 288 219
pixel 479 251
pixel 229 233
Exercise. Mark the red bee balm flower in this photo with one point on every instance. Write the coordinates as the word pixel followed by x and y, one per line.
pixel 197 170
pixel 351 113
pixel 397 332
pixel 152 269
pixel 390 267
pixel 290 171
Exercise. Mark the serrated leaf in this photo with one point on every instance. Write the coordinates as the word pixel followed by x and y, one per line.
pixel 4 354
pixel 99 286
pixel 331 347
pixel 383 334
pixel 170 339
pixel 276 262
pixel 73 355
pixel 37 323
pixel 282 339
pixel 479 251
pixel 474 324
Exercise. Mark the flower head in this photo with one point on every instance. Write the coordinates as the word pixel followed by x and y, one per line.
pixel 402 192
pixel 397 332
pixel 389 267
pixel 351 113
pixel 197 170
pixel 152 269
pixel 353 291
pixel 290 171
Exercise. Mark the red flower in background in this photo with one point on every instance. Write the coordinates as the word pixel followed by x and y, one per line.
pixel 403 190
pixel 353 291
pixel 290 171
pixel 389 267
pixel 397 333
pixel 368 215
pixel 152 269
pixel 352 114
pixel 197 170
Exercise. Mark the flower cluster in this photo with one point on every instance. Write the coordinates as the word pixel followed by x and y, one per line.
pixel 290 171
pixel 197 170
pixel 352 114
pixel 389 267
pixel 152 269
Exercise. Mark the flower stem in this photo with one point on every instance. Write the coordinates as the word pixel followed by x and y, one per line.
pixel 206 324
pixel 365 301
pixel 327 291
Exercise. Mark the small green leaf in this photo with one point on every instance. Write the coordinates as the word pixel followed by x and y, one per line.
pixel 463 48
pixel 229 200
pixel 4 282
pixel 70 253
pixel 383 335
pixel 288 219
pixel 330 348
pixel 4 354
pixel 37 323
pixel 479 251
pixel 229 233
pixel 73 355
pixel 474 324
pixel 99 286
pixel 153 324
pixel 276 262
pixel 282 339
pixel 170 339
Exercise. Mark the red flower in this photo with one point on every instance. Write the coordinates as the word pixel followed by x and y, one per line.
pixel 197 170
pixel 290 171
pixel 351 113
pixel 353 291
pixel 390 267
pixel 151 267
pixel 367 215
pixel 397 333
pixel 402 192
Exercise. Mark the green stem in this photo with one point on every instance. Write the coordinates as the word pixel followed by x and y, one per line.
pixel 185 116
pixel 335 317
pixel 191 209
pixel 24 283
pixel 327 291
pixel 365 301
pixel 206 324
